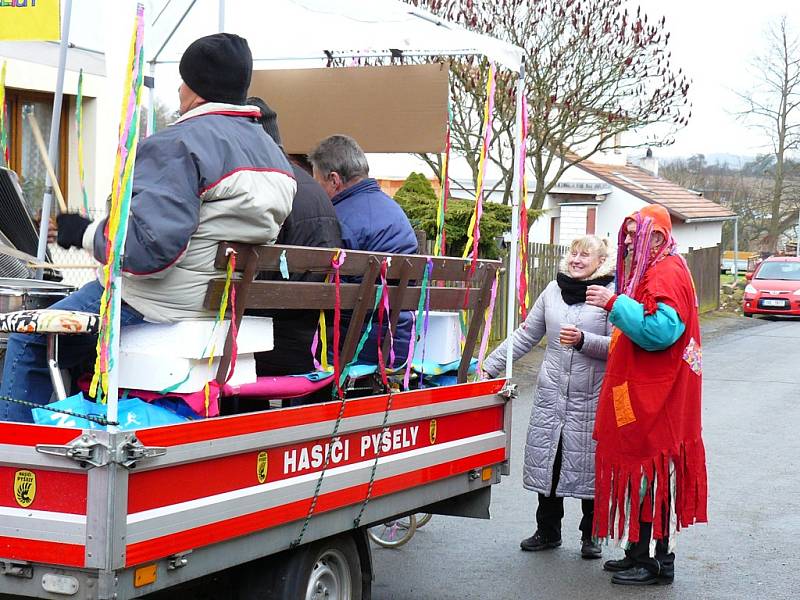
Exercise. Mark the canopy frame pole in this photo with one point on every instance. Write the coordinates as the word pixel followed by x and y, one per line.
pixel 154 61
pixel 387 54
pixel 151 102
pixel 55 122
pixel 513 248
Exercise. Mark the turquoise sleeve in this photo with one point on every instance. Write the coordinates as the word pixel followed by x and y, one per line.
pixel 650 332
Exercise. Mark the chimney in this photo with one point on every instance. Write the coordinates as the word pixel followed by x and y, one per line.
pixel 649 163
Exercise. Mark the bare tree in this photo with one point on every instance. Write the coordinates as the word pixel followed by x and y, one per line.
pixel 593 71
pixel 164 115
pixel 773 106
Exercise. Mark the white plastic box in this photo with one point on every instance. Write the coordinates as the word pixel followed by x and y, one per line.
pixel 155 356
pixel 442 343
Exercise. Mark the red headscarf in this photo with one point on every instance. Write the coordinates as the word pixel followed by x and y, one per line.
pixel 652 217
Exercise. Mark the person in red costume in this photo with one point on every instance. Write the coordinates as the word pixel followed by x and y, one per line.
pixel 650 461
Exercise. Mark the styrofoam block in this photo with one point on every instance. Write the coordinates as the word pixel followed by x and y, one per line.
pixel 442 343
pixel 155 373
pixel 191 339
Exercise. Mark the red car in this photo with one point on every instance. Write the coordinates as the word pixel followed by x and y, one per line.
pixel 773 288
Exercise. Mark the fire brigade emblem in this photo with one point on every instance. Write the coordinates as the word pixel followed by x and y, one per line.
pixel 24 488
pixel 432 431
pixel 261 467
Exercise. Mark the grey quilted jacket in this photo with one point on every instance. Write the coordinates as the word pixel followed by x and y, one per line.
pixel 565 399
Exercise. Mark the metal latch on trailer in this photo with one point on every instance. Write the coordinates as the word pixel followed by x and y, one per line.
pixel 131 451
pixel 15 568
pixel 509 392
pixel 88 449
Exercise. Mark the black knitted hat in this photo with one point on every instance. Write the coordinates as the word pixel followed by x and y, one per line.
pixel 269 118
pixel 218 68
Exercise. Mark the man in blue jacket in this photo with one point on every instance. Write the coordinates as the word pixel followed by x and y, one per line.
pixel 311 223
pixel 370 219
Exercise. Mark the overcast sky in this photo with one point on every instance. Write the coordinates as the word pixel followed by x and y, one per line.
pixel 713 41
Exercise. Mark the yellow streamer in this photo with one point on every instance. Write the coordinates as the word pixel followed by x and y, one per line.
pixel 121 176
pixel 481 161
pixel 223 308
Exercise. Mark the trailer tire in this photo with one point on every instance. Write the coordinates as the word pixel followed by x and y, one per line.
pixel 329 568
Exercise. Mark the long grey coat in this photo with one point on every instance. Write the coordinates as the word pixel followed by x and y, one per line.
pixel 565 400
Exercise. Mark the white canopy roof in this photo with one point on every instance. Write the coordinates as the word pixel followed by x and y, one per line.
pixel 282 30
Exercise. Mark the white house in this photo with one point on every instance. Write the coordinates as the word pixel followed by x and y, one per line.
pixel 591 197
pixel 595 197
pixel 31 74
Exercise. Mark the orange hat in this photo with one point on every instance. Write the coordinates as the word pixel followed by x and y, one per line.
pixel 660 217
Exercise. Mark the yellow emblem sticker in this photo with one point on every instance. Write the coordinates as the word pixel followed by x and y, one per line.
pixel 261 467
pixel 24 488
pixel 432 431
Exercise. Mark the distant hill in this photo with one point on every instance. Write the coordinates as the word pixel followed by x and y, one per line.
pixel 716 158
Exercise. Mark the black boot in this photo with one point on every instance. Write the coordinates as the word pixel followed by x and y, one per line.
pixel 615 566
pixel 590 549
pixel 640 575
pixel 538 542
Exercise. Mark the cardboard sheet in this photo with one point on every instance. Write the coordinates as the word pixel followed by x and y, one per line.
pixel 386 109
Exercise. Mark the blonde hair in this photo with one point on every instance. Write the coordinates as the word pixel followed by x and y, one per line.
pixel 590 243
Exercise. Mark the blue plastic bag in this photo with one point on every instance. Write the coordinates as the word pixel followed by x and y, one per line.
pixel 133 414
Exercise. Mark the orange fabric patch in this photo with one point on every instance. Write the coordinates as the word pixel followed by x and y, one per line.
pixel 622 405
pixel 615 333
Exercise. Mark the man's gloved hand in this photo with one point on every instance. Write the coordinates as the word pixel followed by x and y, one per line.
pixel 71 227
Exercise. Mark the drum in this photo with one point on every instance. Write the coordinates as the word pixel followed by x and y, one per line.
pixel 30 294
pixel 27 294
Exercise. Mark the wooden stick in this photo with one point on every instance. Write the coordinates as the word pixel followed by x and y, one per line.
pixel 46 265
pixel 37 136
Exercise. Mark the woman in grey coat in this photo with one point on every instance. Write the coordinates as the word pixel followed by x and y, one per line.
pixel 559 452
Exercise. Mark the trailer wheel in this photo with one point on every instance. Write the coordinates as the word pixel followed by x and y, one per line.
pixel 329 569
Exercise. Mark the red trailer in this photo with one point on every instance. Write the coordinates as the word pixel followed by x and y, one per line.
pixel 121 514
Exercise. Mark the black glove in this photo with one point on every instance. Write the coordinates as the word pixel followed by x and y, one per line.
pixel 71 227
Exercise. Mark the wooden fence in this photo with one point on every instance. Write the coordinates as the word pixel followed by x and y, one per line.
pixel 704 264
pixel 543 266
pixel 543 261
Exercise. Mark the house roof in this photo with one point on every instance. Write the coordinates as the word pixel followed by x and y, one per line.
pixel 680 202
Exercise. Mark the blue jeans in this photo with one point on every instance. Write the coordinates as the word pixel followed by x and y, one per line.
pixel 25 373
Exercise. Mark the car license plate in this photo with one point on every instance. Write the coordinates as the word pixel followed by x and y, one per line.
pixel 774 302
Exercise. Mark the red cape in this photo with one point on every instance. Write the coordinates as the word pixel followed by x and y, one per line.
pixel 648 416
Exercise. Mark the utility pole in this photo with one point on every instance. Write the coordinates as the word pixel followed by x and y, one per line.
pixel 797 236
pixel 735 250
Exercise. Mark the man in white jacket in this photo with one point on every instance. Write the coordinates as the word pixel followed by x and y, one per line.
pixel 212 176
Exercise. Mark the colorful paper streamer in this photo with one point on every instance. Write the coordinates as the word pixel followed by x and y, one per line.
pixel 523 289
pixel 423 311
pixel 228 292
pixel 336 263
pixel 116 227
pixel 79 133
pixel 4 145
pixel 321 334
pixel 473 231
pixel 487 322
pixel 440 244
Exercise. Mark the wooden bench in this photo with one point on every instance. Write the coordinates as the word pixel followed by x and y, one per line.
pixel 453 285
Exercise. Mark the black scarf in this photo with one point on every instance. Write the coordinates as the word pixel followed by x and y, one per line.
pixel 573 291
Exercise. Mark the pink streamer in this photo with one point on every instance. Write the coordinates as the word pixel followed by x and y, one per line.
pixel 411 346
pixel 487 325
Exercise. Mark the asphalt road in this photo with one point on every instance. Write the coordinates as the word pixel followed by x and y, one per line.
pixel 749 550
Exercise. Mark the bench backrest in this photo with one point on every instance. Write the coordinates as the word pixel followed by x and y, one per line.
pixel 453 285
